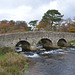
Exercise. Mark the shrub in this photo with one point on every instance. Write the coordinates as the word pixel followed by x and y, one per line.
pixel 13 64
pixel 5 50
pixel 72 29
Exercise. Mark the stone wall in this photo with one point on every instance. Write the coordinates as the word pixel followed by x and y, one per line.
pixel 34 37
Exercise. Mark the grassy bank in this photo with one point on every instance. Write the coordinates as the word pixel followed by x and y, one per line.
pixel 5 50
pixel 73 41
pixel 2 56
pixel 12 63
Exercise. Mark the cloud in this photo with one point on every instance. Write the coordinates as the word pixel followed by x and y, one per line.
pixel 16 14
pixel 66 7
pixel 34 9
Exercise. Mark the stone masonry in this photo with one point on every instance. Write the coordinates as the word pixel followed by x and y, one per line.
pixel 34 37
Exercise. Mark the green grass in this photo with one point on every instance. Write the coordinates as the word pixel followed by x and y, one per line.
pixel 73 41
pixel 2 56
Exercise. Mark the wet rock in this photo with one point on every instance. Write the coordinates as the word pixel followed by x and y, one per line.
pixel 32 48
pixel 29 53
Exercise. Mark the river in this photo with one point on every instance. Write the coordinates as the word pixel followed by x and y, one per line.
pixel 52 62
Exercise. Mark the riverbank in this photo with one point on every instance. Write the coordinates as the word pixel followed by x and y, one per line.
pixel 12 63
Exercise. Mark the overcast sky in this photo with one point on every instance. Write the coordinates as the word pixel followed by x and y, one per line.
pixel 28 10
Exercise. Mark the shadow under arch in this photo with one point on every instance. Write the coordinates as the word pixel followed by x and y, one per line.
pixel 62 43
pixel 45 42
pixel 24 44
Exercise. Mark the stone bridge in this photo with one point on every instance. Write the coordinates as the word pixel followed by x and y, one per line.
pixel 34 37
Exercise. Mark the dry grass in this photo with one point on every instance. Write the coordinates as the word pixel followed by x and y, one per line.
pixel 13 64
pixel 5 50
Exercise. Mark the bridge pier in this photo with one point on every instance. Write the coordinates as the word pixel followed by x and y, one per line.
pixel 55 44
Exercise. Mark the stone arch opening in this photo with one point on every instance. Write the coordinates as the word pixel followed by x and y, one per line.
pixel 46 43
pixel 62 43
pixel 24 44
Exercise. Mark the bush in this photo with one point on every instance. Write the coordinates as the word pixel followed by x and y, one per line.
pixel 72 29
pixel 5 50
pixel 13 64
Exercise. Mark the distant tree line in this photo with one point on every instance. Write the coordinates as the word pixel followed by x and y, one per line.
pixel 52 20
pixel 12 26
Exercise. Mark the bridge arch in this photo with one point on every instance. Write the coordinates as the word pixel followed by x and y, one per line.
pixel 62 42
pixel 24 44
pixel 10 40
pixel 45 42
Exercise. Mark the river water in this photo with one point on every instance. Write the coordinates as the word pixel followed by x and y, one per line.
pixel 52 62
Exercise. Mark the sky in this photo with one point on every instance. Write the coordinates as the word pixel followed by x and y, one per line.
pixel 28 10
